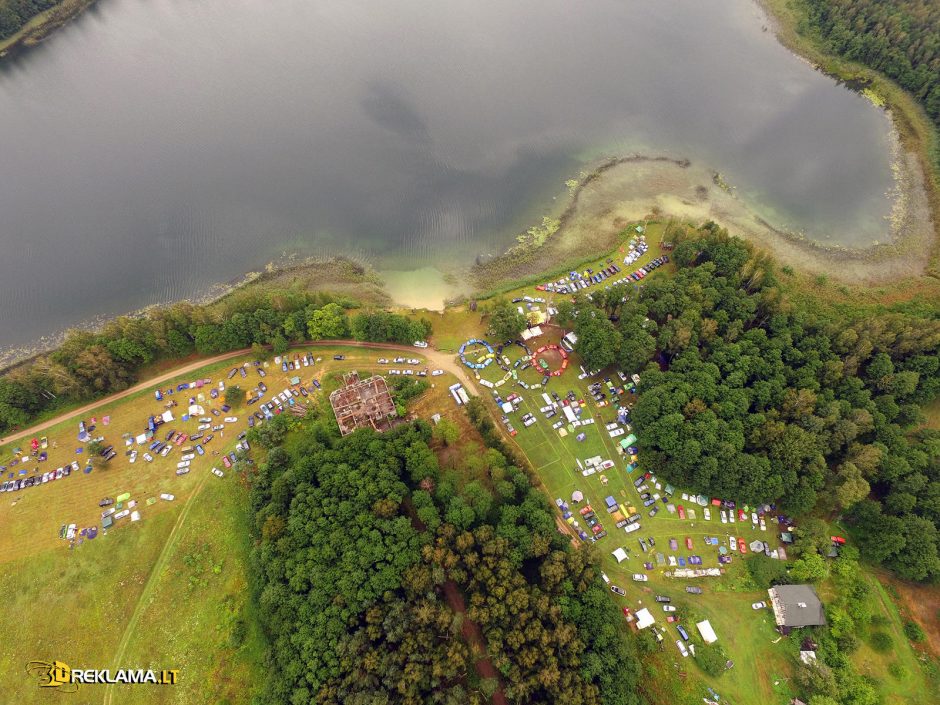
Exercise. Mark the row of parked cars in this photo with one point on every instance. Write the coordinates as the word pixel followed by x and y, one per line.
pixel 577 281
pixel 26 482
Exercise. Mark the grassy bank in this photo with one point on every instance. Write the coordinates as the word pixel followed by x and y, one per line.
pixel 917 134
pixel 42 25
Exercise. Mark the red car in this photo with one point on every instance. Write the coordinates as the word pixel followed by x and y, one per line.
pixel 681 511
pixel 837 539
pixel 585 510
pixel 181 439
pixel 597 528
pixel 688 542
pixel 742 546
pixel 716 502
pixel 742 515
pixel 226 462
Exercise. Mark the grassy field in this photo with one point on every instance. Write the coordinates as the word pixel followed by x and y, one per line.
pixel 168 591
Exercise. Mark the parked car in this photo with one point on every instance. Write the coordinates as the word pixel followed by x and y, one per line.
pixel 693 590
pixel 758 605
pixel 106 502
pixel 618 590
pixel 683 633
pixel 668 608
pixel 640 578
pixel 663 598
pixel 217 472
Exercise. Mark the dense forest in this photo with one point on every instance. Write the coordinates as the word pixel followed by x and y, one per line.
pixel 15 13
pixel 900 38
pixel 92 364
pixel 381 577
pixel 752 398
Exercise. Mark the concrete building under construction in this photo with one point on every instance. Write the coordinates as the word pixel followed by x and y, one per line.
pixel 363 403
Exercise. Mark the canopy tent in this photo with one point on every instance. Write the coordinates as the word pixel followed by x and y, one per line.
pixel 708 634
pixel 577 496
pixel 644 619
pixel 167 416
pixel 620 555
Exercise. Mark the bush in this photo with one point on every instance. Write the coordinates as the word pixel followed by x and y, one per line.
pixel 881 642
pixel 913 632
pixel 711 658
pixel 896 670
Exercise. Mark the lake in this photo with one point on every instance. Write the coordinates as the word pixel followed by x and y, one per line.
pixel 153 148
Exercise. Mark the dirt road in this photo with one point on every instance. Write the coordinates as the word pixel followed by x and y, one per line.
pixel 437 359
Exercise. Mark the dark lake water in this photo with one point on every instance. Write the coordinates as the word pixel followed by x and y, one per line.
pixel 153 148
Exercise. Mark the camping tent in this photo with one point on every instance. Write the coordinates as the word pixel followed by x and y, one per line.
pixel 620 555
pixel 577 496
pixel 167 416
pixel 708 634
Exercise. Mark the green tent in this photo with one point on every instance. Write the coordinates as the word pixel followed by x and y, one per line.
pixel 122 497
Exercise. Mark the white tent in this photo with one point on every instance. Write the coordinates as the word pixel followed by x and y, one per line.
pixel 507 407
pixel 708 634
pixel 644 619
pixel 196 410
pixel 141 439
pixel 167 416
pixel 620 555
pixel 577 496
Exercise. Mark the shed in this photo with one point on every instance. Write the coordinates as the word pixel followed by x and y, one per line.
pixel 708 634
pixel 644 619
pixel 620 555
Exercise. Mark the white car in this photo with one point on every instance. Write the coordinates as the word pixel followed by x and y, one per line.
pixel 668 608
pixel 189 456
pixel 217 472
pixel 682 650
pixel 763 525
pixel 420 344
pixel 122 514
pixel 382 361
pixel 724 517
pixel 731 517
pixel 414 361
pixel 708 514
pixel 640 578
pixel 230 419
pixel 733 543
pixel 754 518
pixel 758 605
pixel 148 457
pixel 606 579
pixel 133 457
pixel 167 497
pixel 437 373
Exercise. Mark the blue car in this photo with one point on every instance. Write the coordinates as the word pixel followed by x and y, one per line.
pixel 681 562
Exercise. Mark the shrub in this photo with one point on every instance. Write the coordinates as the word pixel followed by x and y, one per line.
pixel 896 670
pixel 881 642
pixel 913 632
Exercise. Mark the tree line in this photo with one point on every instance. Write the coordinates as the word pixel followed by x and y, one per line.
pixel 89 364
pixel 748 396
pixel 899 38
pixel 358 541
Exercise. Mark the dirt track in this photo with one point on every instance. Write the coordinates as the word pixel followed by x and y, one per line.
pixel 437 358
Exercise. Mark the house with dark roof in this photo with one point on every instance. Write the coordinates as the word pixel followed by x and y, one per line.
pixel 796 606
